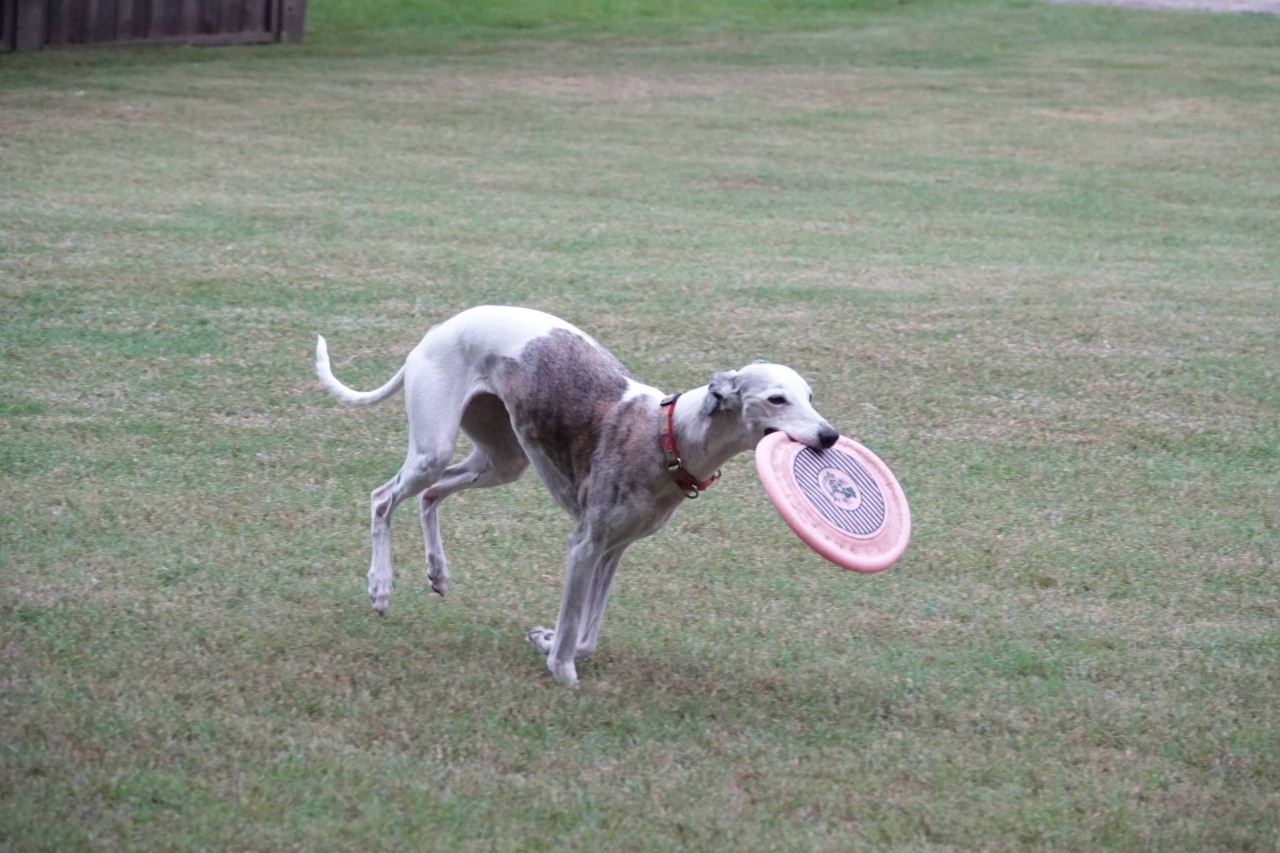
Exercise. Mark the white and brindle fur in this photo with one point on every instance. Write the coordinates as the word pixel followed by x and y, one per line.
pixel 527 387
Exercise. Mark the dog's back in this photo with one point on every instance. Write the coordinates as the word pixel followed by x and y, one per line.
pixel 561 389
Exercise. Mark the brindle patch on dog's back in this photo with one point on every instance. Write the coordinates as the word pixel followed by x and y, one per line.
pixel 559 391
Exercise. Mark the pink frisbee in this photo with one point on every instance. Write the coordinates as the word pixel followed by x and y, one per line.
pixel 843 502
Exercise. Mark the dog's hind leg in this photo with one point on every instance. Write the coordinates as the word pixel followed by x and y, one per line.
pixel 497 459
pixel 432 436
pixel 412 478
pixel 477 471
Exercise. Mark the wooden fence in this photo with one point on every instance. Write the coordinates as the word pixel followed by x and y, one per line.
pixel 40 24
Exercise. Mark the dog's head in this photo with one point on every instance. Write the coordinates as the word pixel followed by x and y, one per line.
pixel 770 398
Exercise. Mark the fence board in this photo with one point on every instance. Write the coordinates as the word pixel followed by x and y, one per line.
pixel 292 20
pixel 253 14
pixel 207 17
pixel 59 23
pixel 8 22
pixel 124 19
pixel 229 15
pixel 103 20
pixel 141 19
pixel 31 25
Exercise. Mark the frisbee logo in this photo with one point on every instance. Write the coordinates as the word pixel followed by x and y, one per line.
pixel 840 488
pixel 843 492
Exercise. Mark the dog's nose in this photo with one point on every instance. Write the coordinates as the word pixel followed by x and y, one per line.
pixel 827 437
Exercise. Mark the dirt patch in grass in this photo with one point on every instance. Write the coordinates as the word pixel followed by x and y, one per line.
pixel 593 87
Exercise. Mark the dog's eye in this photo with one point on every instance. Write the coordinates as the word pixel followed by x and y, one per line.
pixel 778 400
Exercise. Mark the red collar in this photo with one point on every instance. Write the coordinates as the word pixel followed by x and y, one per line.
pixel 688 484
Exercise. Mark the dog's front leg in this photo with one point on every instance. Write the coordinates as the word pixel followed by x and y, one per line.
pixel 560 645
pixel 601 582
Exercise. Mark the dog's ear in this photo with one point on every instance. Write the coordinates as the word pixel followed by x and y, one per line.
pixel 722 392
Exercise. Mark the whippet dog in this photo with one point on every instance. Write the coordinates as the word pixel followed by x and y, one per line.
pixel 620 457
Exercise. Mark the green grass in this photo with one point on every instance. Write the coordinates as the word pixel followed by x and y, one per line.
pixel 485 20
pixel 1027 253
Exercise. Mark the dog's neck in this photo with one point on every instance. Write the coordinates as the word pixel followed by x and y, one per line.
pixel 707 442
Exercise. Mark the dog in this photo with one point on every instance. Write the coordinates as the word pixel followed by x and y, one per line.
pixel 616 454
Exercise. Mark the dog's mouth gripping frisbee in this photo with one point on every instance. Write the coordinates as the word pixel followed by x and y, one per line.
pixel 843 502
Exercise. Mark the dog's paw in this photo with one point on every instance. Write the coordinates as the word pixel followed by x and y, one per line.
pixel 565 673
pixel 541 639
pixel 380 593
pixel 544 639
pixel 438 574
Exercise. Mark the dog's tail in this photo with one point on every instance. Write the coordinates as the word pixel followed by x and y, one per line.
pixel 350 395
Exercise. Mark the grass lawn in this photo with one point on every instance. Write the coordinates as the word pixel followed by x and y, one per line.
pixel 1029 254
